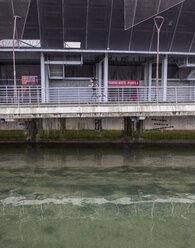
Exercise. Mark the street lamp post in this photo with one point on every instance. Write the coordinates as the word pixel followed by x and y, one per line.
pixel 14 62
pixel 158 20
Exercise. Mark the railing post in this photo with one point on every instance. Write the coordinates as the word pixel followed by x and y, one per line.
pixel 194 94
pixel 58 96
pixel 37 95
pixel 6 94
pixel 118 95
pixel 46 94
pixel 79 95
pixel 22 89
pixel 137 92
pixel 29 91
pixel 18 96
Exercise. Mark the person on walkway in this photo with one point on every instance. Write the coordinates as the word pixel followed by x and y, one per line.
pixel 94 86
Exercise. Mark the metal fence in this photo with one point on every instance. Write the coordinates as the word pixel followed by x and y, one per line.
pixel 112 95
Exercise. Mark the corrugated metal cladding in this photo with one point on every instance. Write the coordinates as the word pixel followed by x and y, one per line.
pixel 101 24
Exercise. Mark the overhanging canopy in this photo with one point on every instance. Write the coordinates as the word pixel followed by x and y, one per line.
pixel 101 24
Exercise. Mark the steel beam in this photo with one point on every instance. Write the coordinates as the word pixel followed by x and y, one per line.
pixel 175 29
pixel 39 20
pixel 110 24
pixel 86 26
pixel 192 42
pixel 63 36
pixel 97 51
pixel 23 29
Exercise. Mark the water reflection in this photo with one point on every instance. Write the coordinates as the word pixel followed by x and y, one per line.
pixel 97 196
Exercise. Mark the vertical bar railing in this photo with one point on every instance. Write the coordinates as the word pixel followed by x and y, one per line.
pixel 6 94
pixel 118 95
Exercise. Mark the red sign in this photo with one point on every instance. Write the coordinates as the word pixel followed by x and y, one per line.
pixel 121 83
pixel 29 80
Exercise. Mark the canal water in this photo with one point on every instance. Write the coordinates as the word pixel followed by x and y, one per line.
pixel 88 196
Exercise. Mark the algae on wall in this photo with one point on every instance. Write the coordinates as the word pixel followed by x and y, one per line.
pixel 168 134
pixel 80 134
pixel 13 135
pixel 38 130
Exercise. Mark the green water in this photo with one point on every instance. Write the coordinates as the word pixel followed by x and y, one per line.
pixel 86 196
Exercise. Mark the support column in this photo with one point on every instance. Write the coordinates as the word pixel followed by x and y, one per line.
pixel 145 81
pixel 96 70
pixel 149 82
pixel 106 78
pixel 164 77
pixel 100 81
pixel 42 78
pixel 47 83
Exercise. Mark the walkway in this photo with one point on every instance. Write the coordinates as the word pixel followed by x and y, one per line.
pixel 81 102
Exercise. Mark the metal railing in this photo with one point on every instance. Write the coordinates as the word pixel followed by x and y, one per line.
pixel 83 95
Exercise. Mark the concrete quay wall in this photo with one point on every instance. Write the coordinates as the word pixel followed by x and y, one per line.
pixel 94 111
pixel 116 129
pixel 118 123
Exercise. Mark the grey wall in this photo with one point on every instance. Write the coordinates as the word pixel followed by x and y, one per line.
pixel 6 72
pixel 69 83
pixel 170 123
pixel 152 123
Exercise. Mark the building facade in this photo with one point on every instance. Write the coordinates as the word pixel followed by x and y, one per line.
pixel 60 45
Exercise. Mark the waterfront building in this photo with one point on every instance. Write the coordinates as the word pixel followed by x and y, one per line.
pixel 60 45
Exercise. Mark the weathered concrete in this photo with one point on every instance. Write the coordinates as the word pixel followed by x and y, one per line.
pixel 128 129
pixel 170 123
pixel 95 111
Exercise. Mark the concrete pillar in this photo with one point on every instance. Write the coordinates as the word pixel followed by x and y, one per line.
pixel 96 70
pixel 140 127
pixel 127 126
pixel 100 81
pixel 164 77
pixel 42 78
pixel 145 81
pixel 1 74
pixel 46 83
pixel 106 78
pixel 149 82
pixel 133 126
pixel 146 75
